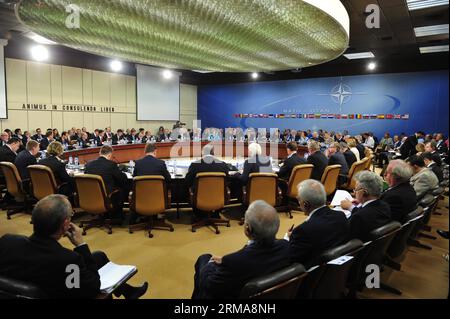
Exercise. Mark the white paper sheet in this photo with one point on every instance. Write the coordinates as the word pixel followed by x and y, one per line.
pixel 339 196
pixel 111 275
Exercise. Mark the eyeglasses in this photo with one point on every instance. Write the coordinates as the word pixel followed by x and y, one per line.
pixel 358 189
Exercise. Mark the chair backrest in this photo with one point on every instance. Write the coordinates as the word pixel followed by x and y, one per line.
pixel 12 178
pixel 399 243
pixel 282 284
pixel 369 162
pixel 262 186
pixel 16 289
pixel 381 239
pixel 210 191
pixel 43 181
pixel 356 168
pixel 328 281
pixel 330 178
pixel 299 174
pixel 92 195
pixel 149 195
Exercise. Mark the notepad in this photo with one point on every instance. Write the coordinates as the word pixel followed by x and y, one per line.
pixel 340 261
pixel 347 213
pixel 339 196
pixel 113 275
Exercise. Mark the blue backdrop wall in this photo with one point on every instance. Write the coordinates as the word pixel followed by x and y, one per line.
pixel 404 102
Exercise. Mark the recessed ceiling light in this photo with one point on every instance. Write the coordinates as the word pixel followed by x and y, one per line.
pixel 434 49
pixel 360 55
pixel 167 74
pixel 372 66
pixel 255 75
pixel 423 4
pixel 431 30
pixel 39 53
pixel 116 66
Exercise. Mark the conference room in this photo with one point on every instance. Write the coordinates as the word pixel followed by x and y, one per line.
pixel 239 150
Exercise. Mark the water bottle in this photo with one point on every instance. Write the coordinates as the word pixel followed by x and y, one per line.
pixel 76 161
pixel 175 167
pixel 70 161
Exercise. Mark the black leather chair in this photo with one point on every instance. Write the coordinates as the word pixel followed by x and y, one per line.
pixel 282 284
pixel 328 281
pixel 399 243
pixel 373 253
pixel 16 289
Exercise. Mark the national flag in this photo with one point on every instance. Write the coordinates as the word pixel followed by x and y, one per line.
pixel 397 116
pixel 389 116
pixel 405 117
pixel 331 116
pixel 358 116
pixel 344 116
pixel 351 116
pixel 317 116
pixel 271 116
pixel 323 116
pixel 337 116
pixel 305 116
pixel 381 116
pixel 293 116
pixel 244 116
pixel 373 116
pixel 366 116
pixel 310 116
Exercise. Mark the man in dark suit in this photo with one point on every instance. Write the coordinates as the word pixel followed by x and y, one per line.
pixel 335 157
pixel 430 147
pixel 8 152
pixel 291 161
pixel 440 144
pixel 96 138
pixel 324 228
pixel 371 212
pixel 46 140
pixel 38 136
pixel 317 159
pixel 4 138
pixel 224 277
pixel 408 148
pixel 112 177
pixel 428 158
pixel 350 157
pixel 256 163
pixel 150 165
pixel 400 196
pixel 208 163
pixel 119 138
pixel 42 261
pixel 26 158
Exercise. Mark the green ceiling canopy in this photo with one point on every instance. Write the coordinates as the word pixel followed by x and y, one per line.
pixel 210 35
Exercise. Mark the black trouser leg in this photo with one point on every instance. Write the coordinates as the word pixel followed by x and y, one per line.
pixel 201 262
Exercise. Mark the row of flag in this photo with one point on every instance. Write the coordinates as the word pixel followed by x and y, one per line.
pixel 326 116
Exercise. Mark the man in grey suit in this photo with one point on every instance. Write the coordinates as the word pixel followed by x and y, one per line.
pixel 423 180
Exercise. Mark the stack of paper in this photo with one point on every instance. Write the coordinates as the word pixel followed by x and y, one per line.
pixel 339 196
pixel 112 276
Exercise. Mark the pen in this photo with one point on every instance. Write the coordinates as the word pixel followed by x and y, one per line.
pixel 292 228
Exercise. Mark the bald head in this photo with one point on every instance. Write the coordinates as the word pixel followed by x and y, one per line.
pixel 262 222
pixel 49 214
pixel 311 195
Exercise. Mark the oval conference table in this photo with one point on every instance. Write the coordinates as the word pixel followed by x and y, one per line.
pixel 174 150
pixel 178 156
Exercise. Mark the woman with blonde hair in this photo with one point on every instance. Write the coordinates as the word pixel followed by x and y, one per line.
pixel 351 142
pixel 66 183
